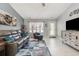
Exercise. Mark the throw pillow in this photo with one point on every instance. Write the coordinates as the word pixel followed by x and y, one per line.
pixel 8 39
pixel 23 34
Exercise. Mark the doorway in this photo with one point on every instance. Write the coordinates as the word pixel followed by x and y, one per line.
pixel 36 27
pixel 52 33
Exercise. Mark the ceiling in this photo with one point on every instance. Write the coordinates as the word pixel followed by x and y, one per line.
pixel 38 11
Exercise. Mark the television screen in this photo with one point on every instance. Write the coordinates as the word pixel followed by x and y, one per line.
pixel 72 24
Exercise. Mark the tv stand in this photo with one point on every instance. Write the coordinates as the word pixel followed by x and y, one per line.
pixel 71 38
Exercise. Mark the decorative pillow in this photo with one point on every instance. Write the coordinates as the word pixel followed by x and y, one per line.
pixel 8 39
pixel 26 33
pixel 11 36
pixel 19 34
pixel 16 37
pixel 23 34
pixel 19 31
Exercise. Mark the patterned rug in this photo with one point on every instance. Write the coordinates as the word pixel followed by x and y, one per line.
pixel 34 48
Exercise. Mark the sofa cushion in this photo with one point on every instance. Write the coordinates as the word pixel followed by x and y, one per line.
pixel 21 40
pixel 16 36
pixel 12 37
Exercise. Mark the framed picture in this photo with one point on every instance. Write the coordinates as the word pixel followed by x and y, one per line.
pixel 7 20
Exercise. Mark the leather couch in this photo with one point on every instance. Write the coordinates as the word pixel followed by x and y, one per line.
pixel 11 48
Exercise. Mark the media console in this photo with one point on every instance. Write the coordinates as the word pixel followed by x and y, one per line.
pixel 71 38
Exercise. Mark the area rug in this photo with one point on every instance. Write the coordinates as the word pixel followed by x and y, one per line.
pixel 34 48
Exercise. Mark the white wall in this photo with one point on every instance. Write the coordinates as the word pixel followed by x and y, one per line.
pixel 61 23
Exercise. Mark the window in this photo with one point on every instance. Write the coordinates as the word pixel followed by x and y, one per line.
pixel 35 27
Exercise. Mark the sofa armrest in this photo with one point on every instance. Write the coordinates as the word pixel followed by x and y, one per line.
pixel 11 49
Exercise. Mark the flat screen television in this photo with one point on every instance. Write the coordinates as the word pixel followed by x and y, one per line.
pixel 72 24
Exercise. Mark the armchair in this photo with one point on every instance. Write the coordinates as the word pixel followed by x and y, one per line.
pixel 38 36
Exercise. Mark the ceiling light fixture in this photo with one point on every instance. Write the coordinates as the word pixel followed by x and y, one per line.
pixel 43 4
